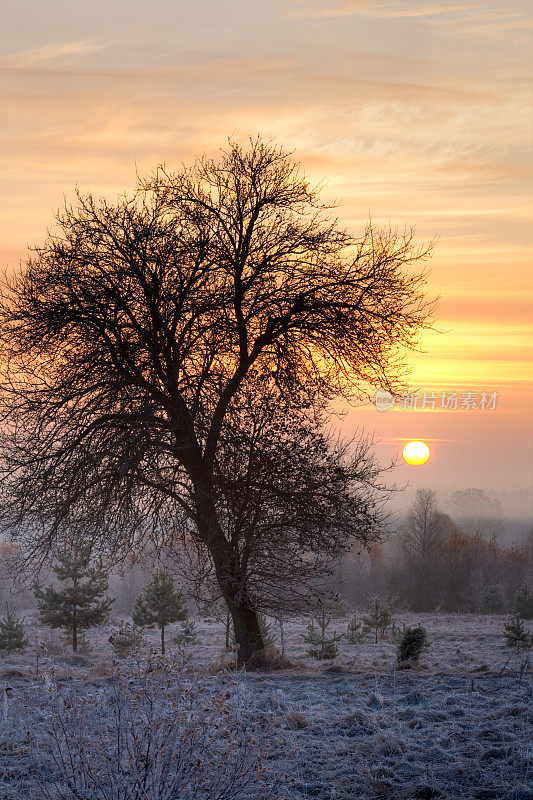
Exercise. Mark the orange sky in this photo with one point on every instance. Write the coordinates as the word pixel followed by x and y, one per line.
pixel 415 111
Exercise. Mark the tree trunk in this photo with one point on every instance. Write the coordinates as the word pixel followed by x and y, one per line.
pixel 230 577
pixel 228 622
pixel 74 633
pixel 281 634
pixel 250 646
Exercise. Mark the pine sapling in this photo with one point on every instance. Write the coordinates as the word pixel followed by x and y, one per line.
pixel 379 618
pixel 188 635
pixel 323 647
pixel 80 604
pixel 267 633
pixel 127 640
pixel 356 631
pixel 160 604
pixel 516 635
pixel 12 636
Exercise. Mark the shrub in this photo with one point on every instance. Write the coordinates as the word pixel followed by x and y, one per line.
pixel 412 644
pixel 155 733
pixel 188 635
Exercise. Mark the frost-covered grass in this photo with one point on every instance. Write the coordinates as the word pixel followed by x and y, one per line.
pixel 458 727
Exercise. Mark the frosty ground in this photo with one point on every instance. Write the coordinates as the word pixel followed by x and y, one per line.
pixel 458 727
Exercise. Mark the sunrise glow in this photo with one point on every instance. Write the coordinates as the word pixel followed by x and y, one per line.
pixel 416 453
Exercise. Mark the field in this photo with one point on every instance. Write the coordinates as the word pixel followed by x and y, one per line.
pixel 458 727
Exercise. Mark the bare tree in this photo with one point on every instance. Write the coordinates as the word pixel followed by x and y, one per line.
pixel 424 524
pixel 291 497
pixel 130 333
pixel 426 531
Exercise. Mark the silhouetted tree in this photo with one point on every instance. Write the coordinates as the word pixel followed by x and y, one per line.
pixel 130 336
pixel 291 497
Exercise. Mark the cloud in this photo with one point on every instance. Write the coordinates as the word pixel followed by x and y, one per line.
pixel 369 8
pixel 52 52
pixel 481 20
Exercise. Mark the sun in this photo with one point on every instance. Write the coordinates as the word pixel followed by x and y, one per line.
pixel 416 453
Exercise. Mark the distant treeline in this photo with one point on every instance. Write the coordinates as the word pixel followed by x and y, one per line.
pixel 432 564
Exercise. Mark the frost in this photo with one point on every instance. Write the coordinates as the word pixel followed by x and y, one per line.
pixel 364 733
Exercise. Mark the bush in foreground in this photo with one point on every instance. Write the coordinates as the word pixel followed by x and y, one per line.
pixel 154 735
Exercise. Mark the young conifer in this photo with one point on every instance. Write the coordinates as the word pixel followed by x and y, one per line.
pixel 322 646
pixel 12 636
pixel 516 634
pixel 379 618
pixel 160 604
pixel 81 603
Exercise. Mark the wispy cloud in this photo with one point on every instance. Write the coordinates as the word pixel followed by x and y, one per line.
pixel 370 8
pixel 53 52
pixel 481 19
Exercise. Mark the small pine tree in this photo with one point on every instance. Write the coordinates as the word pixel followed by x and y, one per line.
pixel 126 640
pixel 379 619
pixel 356 631
pixel 523 602
pixel 492 602
pixel 412 644
pixel 12 636
pixel 160 604
pixel 323 646
pixel 81 603
pixel 516 635
pixel 188 635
